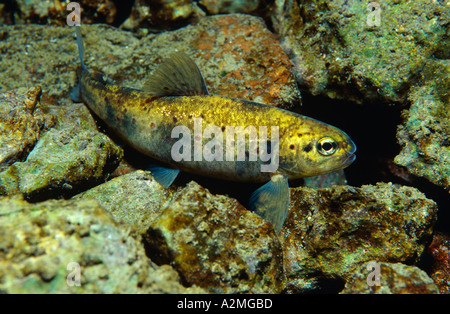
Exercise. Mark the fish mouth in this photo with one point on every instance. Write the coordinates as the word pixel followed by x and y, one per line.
pixel 350 155
pixel 350 158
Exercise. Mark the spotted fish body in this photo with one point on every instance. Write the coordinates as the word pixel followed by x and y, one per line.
pixel 176 96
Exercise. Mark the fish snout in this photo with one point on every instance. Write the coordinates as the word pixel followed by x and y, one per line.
pixel 350 147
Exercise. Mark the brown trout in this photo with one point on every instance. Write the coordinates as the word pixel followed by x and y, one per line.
pixel 175 120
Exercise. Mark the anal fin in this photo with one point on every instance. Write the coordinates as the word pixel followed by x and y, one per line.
pixel 271 201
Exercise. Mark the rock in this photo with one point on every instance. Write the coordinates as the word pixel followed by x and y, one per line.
pixel 215 243
pixel 72 115
pixel 440 252
pixel 329 232
pixel 161 14
pixel 326 180
pixel 169 14
pixel 44 245
pixel 29 60
pixel 341 51
pixel 62 160
pixel 237 54
pixel 241 58
pixel 233 6
pixel 22 123
pixel 394 279
pixel 425 135
pixel 134 200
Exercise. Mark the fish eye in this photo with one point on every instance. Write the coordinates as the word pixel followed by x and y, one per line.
pixel 326 146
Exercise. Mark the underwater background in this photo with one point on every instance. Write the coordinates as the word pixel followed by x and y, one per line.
pixel 80 214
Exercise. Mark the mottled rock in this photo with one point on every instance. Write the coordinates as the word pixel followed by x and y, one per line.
pixel 440 252
pixel 22 123
pixel 215 243
pixel 394 279
pixel 329 232
pixel 340 49
pixel 326 180
pixel 237 54
pixel 425 135
pixel 134 200
pixel 231 6
pixel 241 58
pixel 62 160
pixel 170 14
pixel 161 14
pixel 42 244
pixel 47 56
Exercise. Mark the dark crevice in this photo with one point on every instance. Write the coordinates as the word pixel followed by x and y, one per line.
pixel 123 11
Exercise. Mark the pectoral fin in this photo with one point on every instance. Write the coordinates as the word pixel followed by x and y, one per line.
pixel 164 176
pixel 74 94
pixel 271 201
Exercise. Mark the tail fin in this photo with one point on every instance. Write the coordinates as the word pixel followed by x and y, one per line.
pixel 80 47
pixel 74 93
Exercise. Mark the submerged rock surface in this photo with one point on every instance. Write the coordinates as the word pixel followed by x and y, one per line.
pixel 22 123
pixel 236 53
pixel 41 245
pixel 331 231
pixel 134 200
pixel 216 244
pixel 62 159
pixel 352 51
pixel 394 279
pixel 425 135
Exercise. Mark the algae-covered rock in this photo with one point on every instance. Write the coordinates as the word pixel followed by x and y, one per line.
pixel 47 56
pixel 74 247
pixel 22 123
pixel 329 232
pixel 216 244
pixel 161 14
pixel 393 279
pixel 134 200
pixel 236 53
pixel 231 6
pixel 61 160
pixel 360 51
pixel 425 135
pixel 169 14
pixel 440 252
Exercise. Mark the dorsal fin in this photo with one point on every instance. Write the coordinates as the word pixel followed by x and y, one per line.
pixel 178 75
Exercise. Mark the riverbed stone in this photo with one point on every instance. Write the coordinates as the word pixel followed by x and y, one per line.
pixel 394 278
pixel 329 232
pixel 134 200
pixel 23 121
pixel 73 246
pixel 216 244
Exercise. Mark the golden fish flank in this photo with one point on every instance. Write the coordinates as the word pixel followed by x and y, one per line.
pixel 176 95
